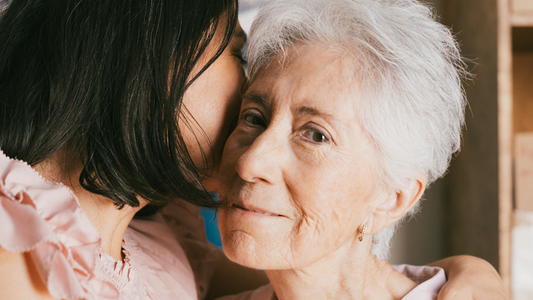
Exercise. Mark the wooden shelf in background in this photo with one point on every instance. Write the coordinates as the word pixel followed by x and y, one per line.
pixel 523 91
pixel 522 19
pixel 481 179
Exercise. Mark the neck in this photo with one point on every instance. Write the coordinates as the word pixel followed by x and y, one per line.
pixel 110 222
pixel 351 272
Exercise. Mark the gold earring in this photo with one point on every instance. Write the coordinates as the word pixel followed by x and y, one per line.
pixel 362 236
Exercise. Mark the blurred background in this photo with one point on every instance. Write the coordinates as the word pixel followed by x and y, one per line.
pixel 484 205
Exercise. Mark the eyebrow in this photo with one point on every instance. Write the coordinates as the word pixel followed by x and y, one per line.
pixel 310 111
pixel 306 110
pixel 259 100
pixel 303 110
pixel 240 33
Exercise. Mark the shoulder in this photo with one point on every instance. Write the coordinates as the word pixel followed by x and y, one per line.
pixel 179 228
pixel 187 225
pixel 429 279
pixel 45 229
pixel 19 278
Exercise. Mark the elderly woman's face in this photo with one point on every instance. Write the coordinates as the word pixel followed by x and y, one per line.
pixel 297 171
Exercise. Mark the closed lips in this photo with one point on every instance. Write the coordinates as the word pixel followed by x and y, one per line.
pixel 257 211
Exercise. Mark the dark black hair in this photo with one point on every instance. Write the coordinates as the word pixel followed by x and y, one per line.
pixel 106 79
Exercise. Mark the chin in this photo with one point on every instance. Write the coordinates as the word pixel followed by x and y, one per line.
pixel 241 248
pixel 240 254
pixel 254 240
pixel 244 252
pixel 238 246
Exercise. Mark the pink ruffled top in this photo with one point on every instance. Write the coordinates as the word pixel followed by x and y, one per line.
pixel 46 220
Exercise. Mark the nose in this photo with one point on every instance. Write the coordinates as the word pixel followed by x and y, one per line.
pixel 263 160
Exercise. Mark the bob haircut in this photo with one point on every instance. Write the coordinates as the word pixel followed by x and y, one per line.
pixel 106 79
pixel 409 67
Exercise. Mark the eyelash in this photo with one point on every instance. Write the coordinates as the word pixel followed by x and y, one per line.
pixel 257 115
pixel 240 57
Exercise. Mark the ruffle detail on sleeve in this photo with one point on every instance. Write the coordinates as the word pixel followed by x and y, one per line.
pixel 45 219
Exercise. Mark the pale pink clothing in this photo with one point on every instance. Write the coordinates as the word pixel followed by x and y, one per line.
pixel 429 280
pixel 45 219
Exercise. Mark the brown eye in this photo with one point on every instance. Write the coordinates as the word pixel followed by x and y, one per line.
pixel 253 119
pixel 319 138
pixel 316 137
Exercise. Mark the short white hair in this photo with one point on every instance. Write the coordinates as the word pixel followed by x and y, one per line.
pixel 408 64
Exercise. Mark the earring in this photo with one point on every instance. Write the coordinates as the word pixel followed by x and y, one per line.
pixel 362 236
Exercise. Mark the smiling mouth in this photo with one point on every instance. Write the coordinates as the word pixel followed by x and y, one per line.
pixel 257 211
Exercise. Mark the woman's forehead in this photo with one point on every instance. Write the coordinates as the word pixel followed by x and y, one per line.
pixel 310 61
pixel 308 73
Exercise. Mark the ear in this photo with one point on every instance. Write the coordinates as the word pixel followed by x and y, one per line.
pixel 398 203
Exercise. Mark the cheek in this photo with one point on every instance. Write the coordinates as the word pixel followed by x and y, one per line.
pixel 224 101
pixel 213 101
pixel 332 207
pixel 327 222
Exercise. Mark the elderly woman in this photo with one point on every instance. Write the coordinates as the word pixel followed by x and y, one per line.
pixel 354 108
pixel 88 109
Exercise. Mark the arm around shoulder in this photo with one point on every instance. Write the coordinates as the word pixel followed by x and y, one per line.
pixel 470 277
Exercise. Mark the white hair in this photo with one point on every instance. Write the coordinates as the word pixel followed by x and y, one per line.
pixel 410 69
pixel 4 4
